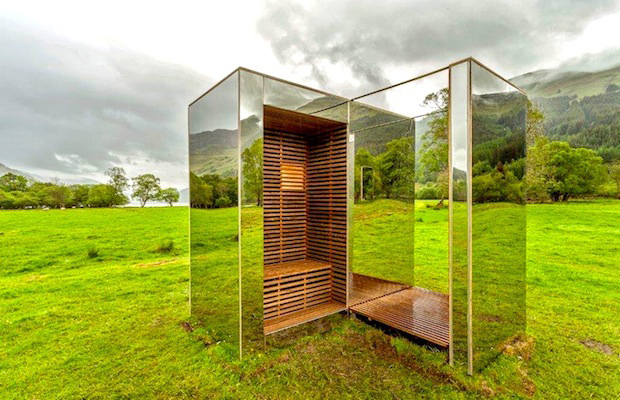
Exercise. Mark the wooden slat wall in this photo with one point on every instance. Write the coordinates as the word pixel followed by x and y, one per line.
pixel 327 205
pixel 305 213
pixel 290 293
pixel 285 211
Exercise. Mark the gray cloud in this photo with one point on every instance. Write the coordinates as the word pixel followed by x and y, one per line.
pixel 369 36
pixel 71 108
pixel 592 62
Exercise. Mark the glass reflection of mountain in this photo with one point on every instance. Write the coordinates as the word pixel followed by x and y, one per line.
pixel 215 152
pixel 498 124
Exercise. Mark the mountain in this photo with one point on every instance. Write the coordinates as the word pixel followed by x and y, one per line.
pixel 548 83
pixel 75 181
pixel 582 108
pixel 6 170
pixel 36 178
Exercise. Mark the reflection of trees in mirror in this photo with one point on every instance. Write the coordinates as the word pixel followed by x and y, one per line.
pixel 252 158
pixel 389 174
pixel 212 191
pixel 432 165
pixel 498 153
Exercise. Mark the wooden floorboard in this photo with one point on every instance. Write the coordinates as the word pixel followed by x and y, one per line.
pixel 416 311
pixel 365 288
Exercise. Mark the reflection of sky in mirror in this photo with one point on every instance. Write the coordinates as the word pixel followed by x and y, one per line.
pixel 408 98
pixel 291 97
pixel 251 102
pixel 216 109
pixel 485 82
pixel 422 126
pixel 458 115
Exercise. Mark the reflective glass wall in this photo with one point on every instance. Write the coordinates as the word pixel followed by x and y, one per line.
pixel 459 213
pixel 400 168
pixel 487 220
pixel 383 191
pixel 214 213
pixel 498 112
pixel 251 210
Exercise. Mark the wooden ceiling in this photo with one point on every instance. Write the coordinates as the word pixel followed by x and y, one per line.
pixel 281 120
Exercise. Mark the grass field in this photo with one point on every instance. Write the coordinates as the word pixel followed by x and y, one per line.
pixel 94 304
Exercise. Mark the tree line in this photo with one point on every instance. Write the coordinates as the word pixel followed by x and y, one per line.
pixel 16 192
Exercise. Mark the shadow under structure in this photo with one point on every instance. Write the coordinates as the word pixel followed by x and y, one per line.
pixel 404 206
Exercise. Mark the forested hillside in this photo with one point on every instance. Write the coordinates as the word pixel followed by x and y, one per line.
pixel 581 108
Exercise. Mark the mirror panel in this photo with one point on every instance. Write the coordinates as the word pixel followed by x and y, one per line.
pixel 214 215
pixel 251 210
pixel 459 213
pixel 498 214
pixel 303 100
pixel 383 190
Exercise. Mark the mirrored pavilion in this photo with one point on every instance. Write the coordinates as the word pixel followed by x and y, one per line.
pixel 404 207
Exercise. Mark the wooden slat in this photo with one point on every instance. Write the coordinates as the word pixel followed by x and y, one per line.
pixel 327 204
pixel 416 311
pixel 294 268
pixel 306 315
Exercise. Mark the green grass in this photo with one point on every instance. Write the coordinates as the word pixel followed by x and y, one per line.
pixel 115 325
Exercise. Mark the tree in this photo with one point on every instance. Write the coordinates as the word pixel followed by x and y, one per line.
pixel 101 196
pixel 537 168
pixel 13 183
pixel 252 158
pixel 200 192
pixel 120 183
pixel 170 195
pixel 7 200
pixel 397 169
pixel 564 171
pixel 434 149
pixel 614 173
pixel 59 195
pixel 80 194
pixel 535 128
pixel 575 171
pixel 145 187
pixel 40 191
pixel 25 199
pixel 221 187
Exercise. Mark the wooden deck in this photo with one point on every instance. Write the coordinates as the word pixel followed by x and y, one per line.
pixel 416 311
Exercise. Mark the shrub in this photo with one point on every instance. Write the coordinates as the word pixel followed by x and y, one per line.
pixel 223 201
pixel 93 252
pixel 166 246
pixel 427 193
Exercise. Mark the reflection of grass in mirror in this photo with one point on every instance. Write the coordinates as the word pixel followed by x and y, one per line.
pixel 252 278
pixel 498 232
pixel 384 238
pixel 215 272
pixel 73 326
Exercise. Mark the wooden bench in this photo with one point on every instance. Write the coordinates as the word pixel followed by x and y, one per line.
pixel 296 292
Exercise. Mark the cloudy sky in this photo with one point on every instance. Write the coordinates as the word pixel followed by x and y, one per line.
pixel 85 86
